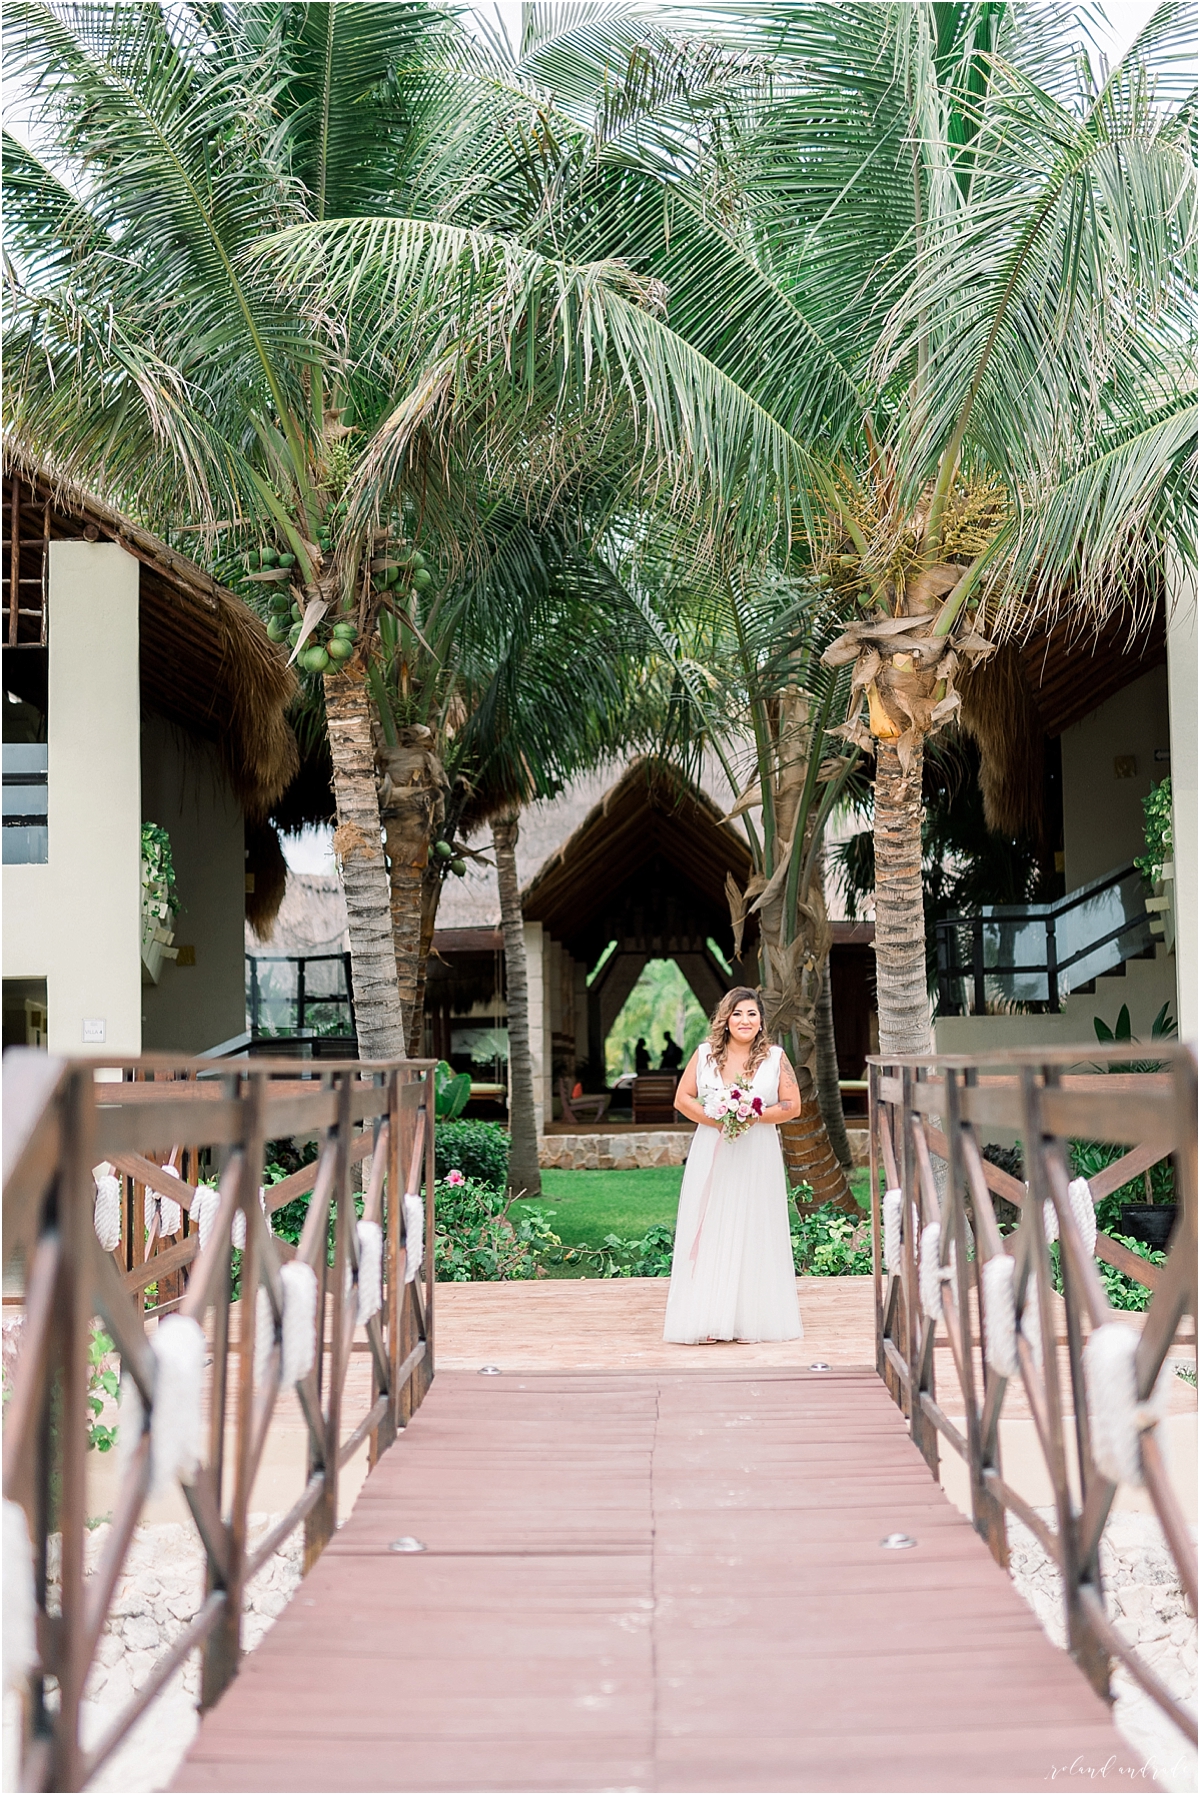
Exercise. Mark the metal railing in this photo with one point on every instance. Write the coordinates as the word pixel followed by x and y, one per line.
pixel 60 1124
pixel 990 1299
pixel 1038 953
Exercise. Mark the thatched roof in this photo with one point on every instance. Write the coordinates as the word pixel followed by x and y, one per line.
pixel 310 920
pixel 207 663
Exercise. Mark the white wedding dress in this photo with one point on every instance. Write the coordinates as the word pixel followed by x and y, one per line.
pixel 732 1276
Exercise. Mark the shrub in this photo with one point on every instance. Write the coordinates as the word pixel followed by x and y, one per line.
pixel 475 1241
pixel 647 1257
pixel 479 1150
pixel 830 1244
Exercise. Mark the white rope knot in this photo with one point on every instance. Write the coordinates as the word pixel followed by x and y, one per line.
pixel 205 1205
pixel 1079 1191
pixel 170 1215
pixel 892 1201
pixel 370 1271
pixel 176 1426
pixel 299 1334
pixel 1116 1417
pixel 1029 1325
pixel 932 1275
pixel 20 1601
pixel 106 1212
pixel 414 1234
pixel 999 1315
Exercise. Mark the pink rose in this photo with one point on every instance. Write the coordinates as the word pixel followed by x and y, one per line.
pixel 744 1112
pixel 454 1177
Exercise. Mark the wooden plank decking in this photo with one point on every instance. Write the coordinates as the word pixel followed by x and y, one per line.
pixel 659 1580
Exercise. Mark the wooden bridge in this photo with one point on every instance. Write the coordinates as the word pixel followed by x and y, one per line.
pixel 604 1564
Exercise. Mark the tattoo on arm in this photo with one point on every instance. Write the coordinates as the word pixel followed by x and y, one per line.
pixel 789 1089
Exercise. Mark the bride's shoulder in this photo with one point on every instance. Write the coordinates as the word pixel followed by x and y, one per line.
pixel 703 1052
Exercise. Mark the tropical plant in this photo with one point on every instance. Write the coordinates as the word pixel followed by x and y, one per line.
pixel 475 1240
pixel 1163 1028
pixel 479 1150
pixel 234 290
pixel 1156 807
pixel 452 1092
pixel 951 261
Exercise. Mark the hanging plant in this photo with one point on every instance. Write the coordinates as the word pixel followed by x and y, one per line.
pixel 160 900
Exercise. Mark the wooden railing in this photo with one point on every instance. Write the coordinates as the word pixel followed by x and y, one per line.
pixel 60 1124
pixel 926 1121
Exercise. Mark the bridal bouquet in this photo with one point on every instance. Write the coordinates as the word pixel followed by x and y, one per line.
pixel 734 1110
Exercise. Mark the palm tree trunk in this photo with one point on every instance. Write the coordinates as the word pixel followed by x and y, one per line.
pixel 523 1170
pixel 904 1011
pixel 412 794
pixel 431 893
pixel 358 845
pixel 829 1093
pixel 808 1155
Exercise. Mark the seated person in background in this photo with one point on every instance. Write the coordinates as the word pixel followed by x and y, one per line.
pixel 641 1057
pixel 672 1058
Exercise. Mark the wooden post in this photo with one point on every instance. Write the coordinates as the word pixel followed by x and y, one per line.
pixel 14 572
pixel 430 1226
pixel 987 1514
pixel 72 1317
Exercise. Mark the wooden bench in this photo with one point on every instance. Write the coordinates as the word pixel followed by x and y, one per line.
pixel 654 1097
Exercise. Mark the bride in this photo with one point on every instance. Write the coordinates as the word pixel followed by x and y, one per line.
pixel 732 1276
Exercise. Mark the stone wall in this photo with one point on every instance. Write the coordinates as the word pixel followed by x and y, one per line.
pixel 614 1152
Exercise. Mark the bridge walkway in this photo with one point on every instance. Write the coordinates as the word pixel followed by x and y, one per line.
pixel 655 1580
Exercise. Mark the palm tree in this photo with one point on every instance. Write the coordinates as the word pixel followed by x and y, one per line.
pixel 952 262
pixel 221 308
pixel 748 685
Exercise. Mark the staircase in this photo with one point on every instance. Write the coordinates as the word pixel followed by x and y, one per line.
pixel 1036 954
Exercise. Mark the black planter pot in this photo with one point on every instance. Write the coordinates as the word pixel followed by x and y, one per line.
pixel 1151 1223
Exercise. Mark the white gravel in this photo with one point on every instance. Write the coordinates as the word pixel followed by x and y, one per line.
pixel 1146 1605
pixel 160 1590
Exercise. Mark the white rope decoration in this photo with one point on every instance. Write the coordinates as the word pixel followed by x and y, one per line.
pixel 1030 1324
pixel 176 1427
pixel 299 1322
pixel 170 1214
pixel 931 1276
pixel 106 1214
pixel 929 1272
pixel 370 1271
pixel 205 1204
pixel 264 1333
pixel 1084 1210
pixel 892 1200
pixel 1117 1418
pixel 20 1602
pixel 414 1234
pixel 999 1315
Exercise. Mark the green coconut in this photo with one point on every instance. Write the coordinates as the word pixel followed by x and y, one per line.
pixel 458 868
pixel 443 850
pixel 339 648
pixel 315 659
pixel 269 557
pixel 418 559
pixel 422 580
pixel 287 560
pixel 277 629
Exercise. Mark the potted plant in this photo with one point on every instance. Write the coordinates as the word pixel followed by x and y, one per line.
pixel 160 902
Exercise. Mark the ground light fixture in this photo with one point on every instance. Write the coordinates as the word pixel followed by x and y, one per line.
pixel 819 1365
pixel 407 1544
pixel 897 1542
pixel 489 1371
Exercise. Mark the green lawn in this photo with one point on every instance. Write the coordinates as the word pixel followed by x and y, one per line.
pixel 585 1206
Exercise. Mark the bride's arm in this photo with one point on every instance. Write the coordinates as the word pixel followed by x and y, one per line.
pixel 687 1102
pixel 789 1095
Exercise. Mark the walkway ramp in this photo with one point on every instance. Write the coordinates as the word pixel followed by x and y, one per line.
pixel 655 1580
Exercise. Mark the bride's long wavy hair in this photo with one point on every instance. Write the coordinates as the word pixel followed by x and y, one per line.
pixel 718 1040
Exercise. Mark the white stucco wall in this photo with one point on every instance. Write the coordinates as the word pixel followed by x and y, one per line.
pixel 185 791
pixel 76 922
pixel 1103 825
pixel 1181 670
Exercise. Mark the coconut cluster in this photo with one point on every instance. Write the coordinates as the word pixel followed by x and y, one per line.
pixel 332 640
